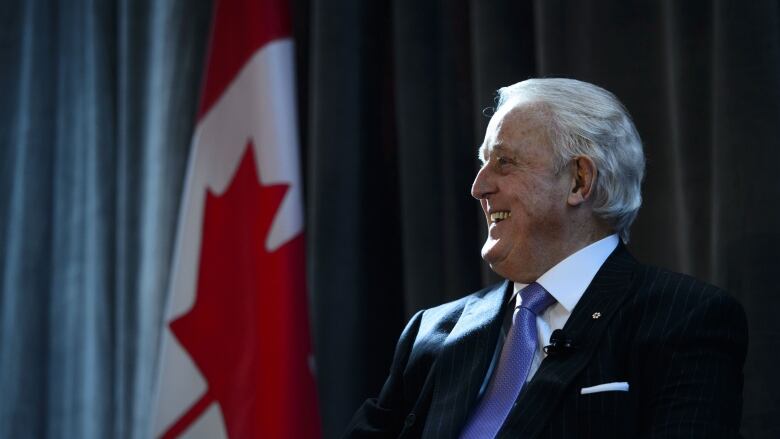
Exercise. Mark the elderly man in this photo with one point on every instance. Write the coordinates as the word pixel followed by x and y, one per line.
pixel 581 340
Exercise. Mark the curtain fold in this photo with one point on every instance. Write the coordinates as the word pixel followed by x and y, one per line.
pixel 435 142
pixel 99 101
pixel 700 80
pixel 352 226
pixel 100 98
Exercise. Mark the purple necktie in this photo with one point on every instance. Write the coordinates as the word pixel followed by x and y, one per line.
pixel 513 366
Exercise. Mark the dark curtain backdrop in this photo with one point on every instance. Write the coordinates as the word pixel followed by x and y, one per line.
pixel 97 103
pixel 97 109
pixel 395 97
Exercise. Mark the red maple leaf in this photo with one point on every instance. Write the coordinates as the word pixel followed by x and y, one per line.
pixel 248 330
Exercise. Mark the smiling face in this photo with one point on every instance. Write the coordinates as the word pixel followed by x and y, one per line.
pixel 526 203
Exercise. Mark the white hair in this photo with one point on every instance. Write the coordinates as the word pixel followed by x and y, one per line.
pixel 587 120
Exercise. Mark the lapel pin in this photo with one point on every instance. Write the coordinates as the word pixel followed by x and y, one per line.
pixel 596 315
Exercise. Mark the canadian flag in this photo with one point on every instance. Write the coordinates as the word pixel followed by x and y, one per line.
pixel 236 358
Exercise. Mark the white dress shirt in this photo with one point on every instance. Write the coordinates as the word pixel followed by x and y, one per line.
pixel 566 282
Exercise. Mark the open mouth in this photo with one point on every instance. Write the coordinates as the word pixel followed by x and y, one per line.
pixel 497 217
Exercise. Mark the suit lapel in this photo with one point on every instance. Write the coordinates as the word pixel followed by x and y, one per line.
pixel 541 395
pixel 463 361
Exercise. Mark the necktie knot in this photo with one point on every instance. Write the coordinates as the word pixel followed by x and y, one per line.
pixel 535 298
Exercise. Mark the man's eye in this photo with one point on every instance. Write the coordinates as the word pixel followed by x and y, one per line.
pixel 503 161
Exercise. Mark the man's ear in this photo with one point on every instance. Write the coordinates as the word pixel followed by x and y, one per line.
pixel 584 175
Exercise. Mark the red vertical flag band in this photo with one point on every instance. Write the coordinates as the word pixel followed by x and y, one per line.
pixel 240 29
pixel 236 357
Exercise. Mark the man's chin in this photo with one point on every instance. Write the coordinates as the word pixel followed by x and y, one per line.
pixel 504 267
pixel 489 255
pixel 496 263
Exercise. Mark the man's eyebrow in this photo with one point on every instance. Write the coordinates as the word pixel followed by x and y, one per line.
pixel 481 150
pixel 500 147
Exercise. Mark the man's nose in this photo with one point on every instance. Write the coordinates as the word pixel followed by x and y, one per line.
pixel 483 184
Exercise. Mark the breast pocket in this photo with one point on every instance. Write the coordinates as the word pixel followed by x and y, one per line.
pixel 606 414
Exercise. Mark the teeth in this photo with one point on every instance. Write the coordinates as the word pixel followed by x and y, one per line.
pixel 499 216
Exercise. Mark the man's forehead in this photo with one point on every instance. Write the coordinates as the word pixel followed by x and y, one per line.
pixel 510 127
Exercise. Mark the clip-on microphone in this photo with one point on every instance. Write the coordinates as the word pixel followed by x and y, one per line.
pixel 559 344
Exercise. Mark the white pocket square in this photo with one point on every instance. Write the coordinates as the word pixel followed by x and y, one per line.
pixel 618 386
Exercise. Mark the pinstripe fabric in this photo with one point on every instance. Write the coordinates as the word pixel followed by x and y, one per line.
pixel 679 343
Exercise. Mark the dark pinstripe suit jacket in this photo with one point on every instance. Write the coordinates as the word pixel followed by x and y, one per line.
pixel 679 343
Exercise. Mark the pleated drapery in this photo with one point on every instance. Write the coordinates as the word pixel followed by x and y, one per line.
pixel 98 105
pixel 397 92
pixel 95 123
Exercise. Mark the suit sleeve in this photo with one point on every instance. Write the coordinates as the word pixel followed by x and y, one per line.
pixel 383 417
pixel 695 374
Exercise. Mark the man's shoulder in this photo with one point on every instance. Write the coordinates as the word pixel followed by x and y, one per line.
pixel 665 297
pixel 435 323
pixel 656 283
pixel 455 307
pixel 653 285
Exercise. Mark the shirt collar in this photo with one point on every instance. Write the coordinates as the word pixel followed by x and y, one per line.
pixel 568 279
